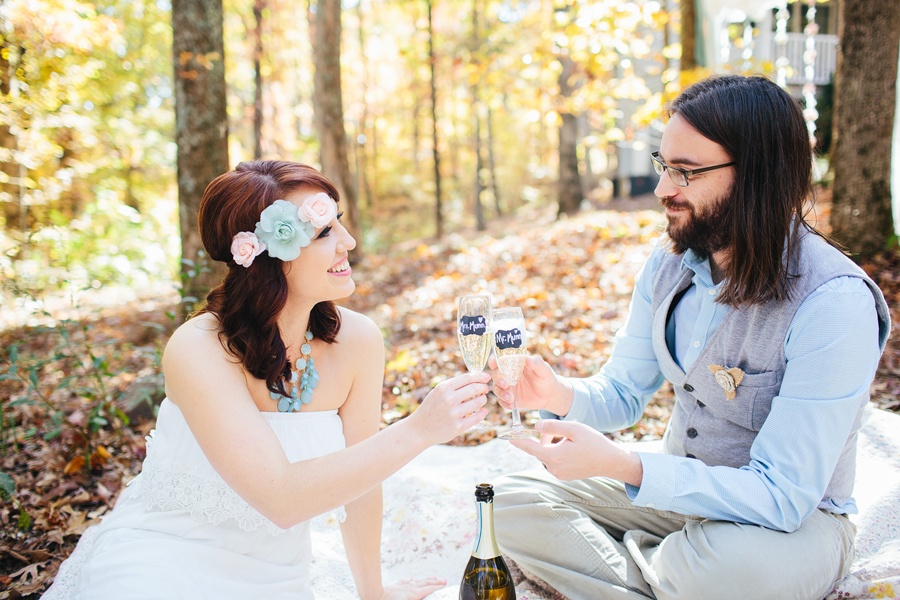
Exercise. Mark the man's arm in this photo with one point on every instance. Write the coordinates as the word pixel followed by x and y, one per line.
pixel 832 353
pixel 616 396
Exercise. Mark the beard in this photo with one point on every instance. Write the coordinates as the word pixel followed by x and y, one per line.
pixel 705 231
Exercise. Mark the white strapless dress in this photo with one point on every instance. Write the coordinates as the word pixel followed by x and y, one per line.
pixel 178 530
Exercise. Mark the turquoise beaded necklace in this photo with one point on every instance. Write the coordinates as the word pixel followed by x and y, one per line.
pixel 300 387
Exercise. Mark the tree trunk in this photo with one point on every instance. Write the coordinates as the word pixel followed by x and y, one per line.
pixel 201 123
pixel 455 168
pixel 541 144
pixel 416 134
pixel 8 142
pixel 372 156
pixel 869 33
pixel 688 35
pixel 479 164
pixel 666 35
pixel 438 209
pixel 362 173
pixel 73 199
pixel 130 199
pixel 258 7
pixel 329 109
pixel 569 185
pixel 587 177
pixel 364 162
pixel 491 163
pixel 479 167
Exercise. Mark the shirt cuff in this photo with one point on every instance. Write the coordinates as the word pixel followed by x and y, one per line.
pixel 581 400
pixel 658 483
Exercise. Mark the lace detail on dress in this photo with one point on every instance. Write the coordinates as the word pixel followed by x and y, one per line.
pixel 63 586
pixel 206 498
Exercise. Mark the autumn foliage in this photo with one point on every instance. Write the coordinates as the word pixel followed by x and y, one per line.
pixel 69 445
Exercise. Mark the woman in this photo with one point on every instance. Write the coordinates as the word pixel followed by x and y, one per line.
pixel 266 387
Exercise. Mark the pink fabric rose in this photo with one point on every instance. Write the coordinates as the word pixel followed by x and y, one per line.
pixel 318 209
pixel 245 246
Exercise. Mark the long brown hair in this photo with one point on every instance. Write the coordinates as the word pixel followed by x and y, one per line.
pixel 762 129
pixel 248 300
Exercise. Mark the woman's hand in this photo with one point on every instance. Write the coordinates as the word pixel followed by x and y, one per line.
pixel 538 387
pixel 453 406
pixel 412 589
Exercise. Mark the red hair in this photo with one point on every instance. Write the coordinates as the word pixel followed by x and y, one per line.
pixel 249 299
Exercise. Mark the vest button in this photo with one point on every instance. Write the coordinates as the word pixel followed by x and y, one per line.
pixel 700 404
pixel 692 433
pixel 688 387
pixel 689 456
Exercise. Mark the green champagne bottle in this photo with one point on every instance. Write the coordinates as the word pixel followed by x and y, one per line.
pixel 487 576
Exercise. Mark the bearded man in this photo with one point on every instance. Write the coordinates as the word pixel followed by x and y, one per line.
pixel 770 337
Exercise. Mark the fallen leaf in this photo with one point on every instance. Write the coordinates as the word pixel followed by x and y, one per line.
pixel 29 572
pixel 75 465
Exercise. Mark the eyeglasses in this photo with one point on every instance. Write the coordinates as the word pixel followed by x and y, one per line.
pixel 680 176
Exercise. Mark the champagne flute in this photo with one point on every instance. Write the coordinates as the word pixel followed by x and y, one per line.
pixel 473 328
pixel 509 348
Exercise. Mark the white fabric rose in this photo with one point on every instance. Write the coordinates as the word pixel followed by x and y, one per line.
pixel 318 209
pixel 245 246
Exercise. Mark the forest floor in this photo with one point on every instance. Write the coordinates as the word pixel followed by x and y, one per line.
pixel 572 277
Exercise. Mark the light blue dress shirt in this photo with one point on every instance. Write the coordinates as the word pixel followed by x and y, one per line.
pixel 832 352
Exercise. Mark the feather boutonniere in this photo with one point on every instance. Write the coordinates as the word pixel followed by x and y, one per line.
pixel 728 379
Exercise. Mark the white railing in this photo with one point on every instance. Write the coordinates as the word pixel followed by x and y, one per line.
pixel 825 64
pixel 826 58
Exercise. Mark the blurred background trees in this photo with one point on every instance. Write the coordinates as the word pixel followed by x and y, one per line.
pixel 865 107
pixel 436 118
pixel 109 125
pixel 201 127
pixel 86 142
pixel 433 116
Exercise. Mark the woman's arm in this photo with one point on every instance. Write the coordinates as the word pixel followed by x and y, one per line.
pixel 361 415
pixel 209 387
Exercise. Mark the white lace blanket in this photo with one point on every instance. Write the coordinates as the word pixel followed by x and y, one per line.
pixel 876 570
pixel 429 517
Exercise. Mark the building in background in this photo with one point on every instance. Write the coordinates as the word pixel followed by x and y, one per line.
pixel 795 42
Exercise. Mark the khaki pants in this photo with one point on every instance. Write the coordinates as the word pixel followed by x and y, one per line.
pixel 585 539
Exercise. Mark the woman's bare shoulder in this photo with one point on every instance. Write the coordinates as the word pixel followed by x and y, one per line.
pixel 203 328
pixel 357 328
pixel 195 363
pixel 196 339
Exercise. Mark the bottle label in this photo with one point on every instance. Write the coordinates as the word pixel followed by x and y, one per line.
pixel 473 325
pixel 508 338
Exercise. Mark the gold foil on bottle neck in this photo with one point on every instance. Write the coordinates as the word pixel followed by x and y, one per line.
pixel 485 541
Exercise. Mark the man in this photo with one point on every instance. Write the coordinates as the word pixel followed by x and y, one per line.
pixel 770 337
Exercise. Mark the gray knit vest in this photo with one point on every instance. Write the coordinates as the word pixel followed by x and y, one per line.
pixel 707 426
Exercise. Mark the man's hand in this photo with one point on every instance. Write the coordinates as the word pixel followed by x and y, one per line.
pixel 581 452
pixel 538 387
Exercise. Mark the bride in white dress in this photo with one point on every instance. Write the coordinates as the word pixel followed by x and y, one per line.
pixel 272 417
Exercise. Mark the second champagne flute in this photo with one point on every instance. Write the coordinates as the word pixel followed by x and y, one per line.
pixel 509 348
pixel 473 328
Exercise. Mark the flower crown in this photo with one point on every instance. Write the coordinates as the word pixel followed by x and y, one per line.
pixel 283 229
